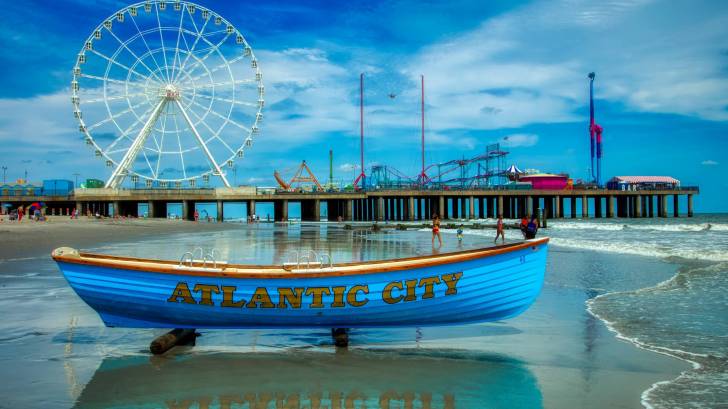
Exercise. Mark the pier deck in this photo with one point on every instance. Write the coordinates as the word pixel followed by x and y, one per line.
pixel 381 205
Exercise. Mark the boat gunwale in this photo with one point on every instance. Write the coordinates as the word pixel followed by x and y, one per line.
pixel 276 271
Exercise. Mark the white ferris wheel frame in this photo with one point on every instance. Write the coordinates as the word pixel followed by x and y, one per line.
pixel 163 90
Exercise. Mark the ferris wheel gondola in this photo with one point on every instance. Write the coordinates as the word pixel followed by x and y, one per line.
pixel 167 94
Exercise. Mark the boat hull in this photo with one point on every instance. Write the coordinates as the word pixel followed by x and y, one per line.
pixel 483 289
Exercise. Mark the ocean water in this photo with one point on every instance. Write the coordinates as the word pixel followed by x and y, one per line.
pixel 632 313
pixel 685 316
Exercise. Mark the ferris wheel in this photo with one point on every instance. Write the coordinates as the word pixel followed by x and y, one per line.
pixel 167 92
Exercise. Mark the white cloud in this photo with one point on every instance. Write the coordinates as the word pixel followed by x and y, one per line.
pixel 709 162
pixel 40 121
pixel 519 140
pixel 530 65
pixel 524 67
pixel 348 167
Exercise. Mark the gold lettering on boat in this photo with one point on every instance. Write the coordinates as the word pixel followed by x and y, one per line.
pixel 317 293
pixel 260 296
pixel 351 296
pixel 429 284
pixel 292 296
pixel 338 296
pixel 182 291
pixel 387 292
pixel 316 297
pixel 411 287
pixel 227 297
pixel 451 280
pixel 206 291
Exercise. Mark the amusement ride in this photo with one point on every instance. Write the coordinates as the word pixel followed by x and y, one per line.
pixel 167 92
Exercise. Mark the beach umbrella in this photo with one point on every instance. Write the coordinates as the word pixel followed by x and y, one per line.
pixel 38 205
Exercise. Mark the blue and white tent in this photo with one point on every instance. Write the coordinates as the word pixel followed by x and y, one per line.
pixel 513 170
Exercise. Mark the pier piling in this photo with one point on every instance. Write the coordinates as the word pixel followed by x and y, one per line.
pixel 675 206
pixel 638 206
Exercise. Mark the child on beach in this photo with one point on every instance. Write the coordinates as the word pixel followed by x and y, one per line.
pixel 460 234
pixel 499 231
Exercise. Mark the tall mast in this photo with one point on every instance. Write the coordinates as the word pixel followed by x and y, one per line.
pixel 423 176
pixel 361 176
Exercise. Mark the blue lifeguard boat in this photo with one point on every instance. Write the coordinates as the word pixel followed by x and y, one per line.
pixel 477 285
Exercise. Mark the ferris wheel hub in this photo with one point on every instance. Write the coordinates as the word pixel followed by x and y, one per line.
pixel 170 92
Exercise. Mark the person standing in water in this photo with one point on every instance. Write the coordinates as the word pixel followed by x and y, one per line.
pixel 524 225
pixel 532 228
pixel 499 231
pixel 436 230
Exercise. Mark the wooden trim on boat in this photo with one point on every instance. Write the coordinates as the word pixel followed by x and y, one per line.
pixel 254 271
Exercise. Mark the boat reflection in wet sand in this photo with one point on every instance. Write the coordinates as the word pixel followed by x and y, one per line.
pixel 306 379
pixel 468 286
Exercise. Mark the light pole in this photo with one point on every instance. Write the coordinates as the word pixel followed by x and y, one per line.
pixel 5 169
pixel 76 175
pixel 235 175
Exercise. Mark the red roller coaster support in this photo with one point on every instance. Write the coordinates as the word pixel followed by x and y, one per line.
pixel 362 176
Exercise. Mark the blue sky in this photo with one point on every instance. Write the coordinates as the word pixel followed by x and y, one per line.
pixel 492 70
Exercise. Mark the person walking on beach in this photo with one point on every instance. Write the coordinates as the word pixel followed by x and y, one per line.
pixel 196 215
pixel 460 234
pixel 499 231
pixel 20 214
pixel 436 230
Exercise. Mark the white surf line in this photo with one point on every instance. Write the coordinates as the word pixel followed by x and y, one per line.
pixel 674 353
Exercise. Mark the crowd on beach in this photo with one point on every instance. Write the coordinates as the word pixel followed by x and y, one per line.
pixel 528 227
pixel 33 213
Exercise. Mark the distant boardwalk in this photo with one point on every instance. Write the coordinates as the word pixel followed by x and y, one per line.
pixel 377 205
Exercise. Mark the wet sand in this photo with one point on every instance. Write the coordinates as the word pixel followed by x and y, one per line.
pixel 55 351
pixel 29 238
